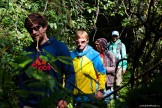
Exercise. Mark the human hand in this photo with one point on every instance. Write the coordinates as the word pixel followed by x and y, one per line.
pixel 62 104
pixel 99 95
pixel 124 72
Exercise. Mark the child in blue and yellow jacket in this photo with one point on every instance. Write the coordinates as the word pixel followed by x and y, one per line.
pixel 89 71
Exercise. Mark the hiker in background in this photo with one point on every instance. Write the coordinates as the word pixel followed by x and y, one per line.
pixel 108 60
pixel 89 71
pixel 119 50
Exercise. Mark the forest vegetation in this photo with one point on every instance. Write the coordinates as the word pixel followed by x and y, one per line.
pixel 138 21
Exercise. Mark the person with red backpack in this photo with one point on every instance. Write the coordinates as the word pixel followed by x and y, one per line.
pixel 108 60
pixel 119 50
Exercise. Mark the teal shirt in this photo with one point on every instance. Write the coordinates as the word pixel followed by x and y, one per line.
pixel 119 52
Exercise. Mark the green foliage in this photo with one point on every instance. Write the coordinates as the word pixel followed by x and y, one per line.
pixel 139 23
pixel 146 95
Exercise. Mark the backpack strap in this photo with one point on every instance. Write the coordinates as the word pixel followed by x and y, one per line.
pixel 119 46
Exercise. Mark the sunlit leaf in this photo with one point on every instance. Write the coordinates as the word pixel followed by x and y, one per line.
pixel 65 61
pixel 22 65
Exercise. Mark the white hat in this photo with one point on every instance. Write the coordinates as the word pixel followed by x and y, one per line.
pixel 116 33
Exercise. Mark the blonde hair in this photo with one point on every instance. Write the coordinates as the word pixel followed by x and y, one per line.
pixel 81 33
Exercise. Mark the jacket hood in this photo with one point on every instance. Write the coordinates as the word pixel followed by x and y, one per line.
pixel 48 42
pixel 84 52
pixel 33 44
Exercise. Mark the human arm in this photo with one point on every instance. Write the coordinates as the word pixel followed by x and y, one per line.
pixel 124 72
pixel 110 62
pixel 110 70
pixel 67 68
pixel 99 94
pixel 123 63
pixel 101 73
pixel 101 80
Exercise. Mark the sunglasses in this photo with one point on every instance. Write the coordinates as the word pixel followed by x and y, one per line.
pixel 82 42
pixel 36 28
pixel 114 35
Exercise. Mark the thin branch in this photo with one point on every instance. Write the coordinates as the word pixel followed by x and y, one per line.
pixel 125 8
pixel 97 12
pixel 45 8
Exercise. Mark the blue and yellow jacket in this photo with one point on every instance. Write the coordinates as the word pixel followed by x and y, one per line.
pixel 89 71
